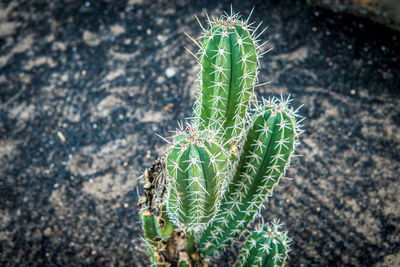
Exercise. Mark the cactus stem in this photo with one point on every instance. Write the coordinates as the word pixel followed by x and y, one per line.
pixel 222 165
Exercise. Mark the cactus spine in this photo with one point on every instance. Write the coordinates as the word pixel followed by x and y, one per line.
pixel 220 168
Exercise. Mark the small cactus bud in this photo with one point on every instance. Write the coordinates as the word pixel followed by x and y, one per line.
pixel 266 246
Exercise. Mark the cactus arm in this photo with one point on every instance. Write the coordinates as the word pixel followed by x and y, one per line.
pixel 263 159
pixel 197 170
pixel 228 71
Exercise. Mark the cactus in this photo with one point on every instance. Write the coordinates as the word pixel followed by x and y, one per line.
pixel 218 170
pixel 266 246
pixel 264 156
pixel 228 63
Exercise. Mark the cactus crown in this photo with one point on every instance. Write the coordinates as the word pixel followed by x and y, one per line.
pixel 228 71
pixel 220 168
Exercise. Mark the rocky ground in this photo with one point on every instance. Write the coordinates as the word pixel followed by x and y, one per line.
pixel 85 85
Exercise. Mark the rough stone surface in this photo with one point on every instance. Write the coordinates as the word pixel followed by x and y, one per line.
pixel 83 90
pixel 383 11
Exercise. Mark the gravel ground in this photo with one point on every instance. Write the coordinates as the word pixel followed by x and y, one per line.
pixel 85 85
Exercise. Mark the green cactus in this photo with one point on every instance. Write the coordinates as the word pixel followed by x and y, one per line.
pixel 197 169
pixel 266 246
pixel 228 63
pixel 264 157
pixel 221 167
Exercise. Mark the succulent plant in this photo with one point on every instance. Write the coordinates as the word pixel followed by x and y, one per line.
pixel 219 169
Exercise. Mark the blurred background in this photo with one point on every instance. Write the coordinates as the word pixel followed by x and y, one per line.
pixel 86 85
